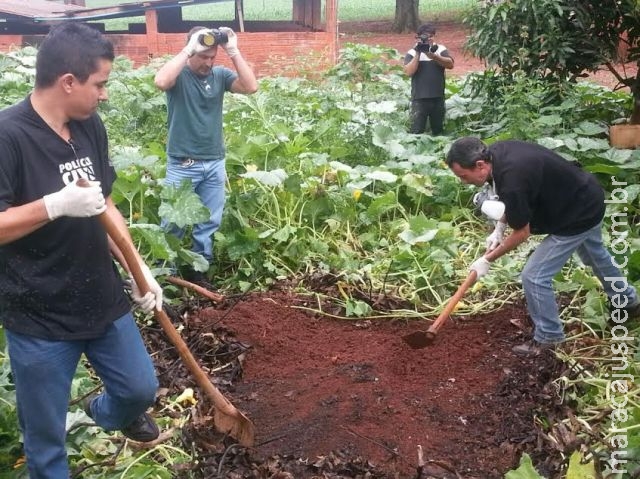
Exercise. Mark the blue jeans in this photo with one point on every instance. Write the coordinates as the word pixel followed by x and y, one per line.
pixel 208 179
pixel 547 260
pixel 43 371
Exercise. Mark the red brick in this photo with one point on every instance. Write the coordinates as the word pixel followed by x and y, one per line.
pixel 268 52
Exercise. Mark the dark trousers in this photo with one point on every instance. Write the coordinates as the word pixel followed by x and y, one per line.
pixel 431 109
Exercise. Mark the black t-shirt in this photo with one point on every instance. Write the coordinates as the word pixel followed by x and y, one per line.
pixel 539 187
pixel 58 282
pixel 429 79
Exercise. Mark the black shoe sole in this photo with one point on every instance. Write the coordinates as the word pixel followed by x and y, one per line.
pixel 150 432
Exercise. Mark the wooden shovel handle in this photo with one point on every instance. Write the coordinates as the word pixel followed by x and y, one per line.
pixel 215 297
pixel 462 289
pixel 201 378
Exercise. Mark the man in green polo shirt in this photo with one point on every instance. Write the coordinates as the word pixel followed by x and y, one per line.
pixel 195 91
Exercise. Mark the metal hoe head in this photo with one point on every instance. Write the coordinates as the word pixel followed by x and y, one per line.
pixel 419 339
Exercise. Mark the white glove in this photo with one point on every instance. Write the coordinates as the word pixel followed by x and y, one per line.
pixel 480 266
pixel 76 201
pixel 231 47
pixel 194 46
pixel 495 238
pixel 151 299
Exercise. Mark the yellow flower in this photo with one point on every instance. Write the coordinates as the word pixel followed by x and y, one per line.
pixel 187 397
pixel 459 305
pixel 357 194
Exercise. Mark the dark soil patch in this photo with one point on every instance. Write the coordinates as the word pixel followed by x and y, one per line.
pixel 338 398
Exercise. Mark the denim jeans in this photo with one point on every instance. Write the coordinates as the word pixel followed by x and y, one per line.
pixel 547 260
pixel 208 179
pixel 43 371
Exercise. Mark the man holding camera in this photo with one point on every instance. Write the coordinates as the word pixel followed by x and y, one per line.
pixel 195 90
pixel 425 63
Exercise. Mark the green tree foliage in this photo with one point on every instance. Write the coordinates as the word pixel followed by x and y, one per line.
pixel 558 40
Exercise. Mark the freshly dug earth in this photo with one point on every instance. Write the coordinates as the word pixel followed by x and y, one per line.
pixel 345 398
pixel 335 398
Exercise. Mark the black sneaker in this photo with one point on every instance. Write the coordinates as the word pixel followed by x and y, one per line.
pixel 142 429
pixel 533 348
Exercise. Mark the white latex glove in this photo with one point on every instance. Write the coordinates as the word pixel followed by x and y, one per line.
pixel 194 46
pixel 495 238
pixel 480 266
pixel 152 299
pixel 231 47
pixel 76 201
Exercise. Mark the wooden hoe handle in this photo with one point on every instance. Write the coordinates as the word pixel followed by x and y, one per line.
pixel 227 418
pixel 444 315
pixel 201 378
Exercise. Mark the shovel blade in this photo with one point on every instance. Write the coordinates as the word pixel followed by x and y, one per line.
pixel 418 339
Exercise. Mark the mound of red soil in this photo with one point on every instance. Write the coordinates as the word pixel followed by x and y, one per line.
pixel 319 388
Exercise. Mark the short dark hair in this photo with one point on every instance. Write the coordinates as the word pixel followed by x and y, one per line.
pixel 426 28
pixel 466 151
pixel 71 47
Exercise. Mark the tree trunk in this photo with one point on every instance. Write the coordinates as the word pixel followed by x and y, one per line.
pixel 407 16
pixel 635 91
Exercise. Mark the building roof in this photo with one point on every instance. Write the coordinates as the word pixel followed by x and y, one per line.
pixel 34 8
pixel 35 11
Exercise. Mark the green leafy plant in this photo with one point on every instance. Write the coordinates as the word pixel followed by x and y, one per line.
pixel 323 179
pixel 10 449
pixel 558 40
pixel 524 471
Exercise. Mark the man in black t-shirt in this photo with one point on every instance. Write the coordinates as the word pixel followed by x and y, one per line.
pixel 543 194
pixel 61 295
pixel 425 63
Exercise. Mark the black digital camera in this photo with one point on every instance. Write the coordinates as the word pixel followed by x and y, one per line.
pixel 212 37
pixel 424 44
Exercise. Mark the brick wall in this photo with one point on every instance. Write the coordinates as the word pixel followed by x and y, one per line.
pixel 9 42
pixel 268 52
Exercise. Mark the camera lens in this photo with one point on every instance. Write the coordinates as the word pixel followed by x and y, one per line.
pixel 213 37
pixel 207 40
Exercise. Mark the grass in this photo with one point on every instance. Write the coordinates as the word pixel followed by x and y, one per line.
pixel 348 10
